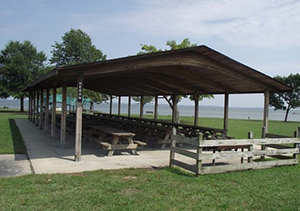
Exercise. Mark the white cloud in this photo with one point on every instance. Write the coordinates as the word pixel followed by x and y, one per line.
pixel 248 23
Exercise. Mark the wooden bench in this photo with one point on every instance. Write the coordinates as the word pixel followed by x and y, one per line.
pixel 149 112
pixel 139 143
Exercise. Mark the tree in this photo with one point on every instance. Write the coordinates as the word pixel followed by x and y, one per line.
pixel 20 64
pixel 172 45
pixel 287 100
pixel 146 99
pixel 77 48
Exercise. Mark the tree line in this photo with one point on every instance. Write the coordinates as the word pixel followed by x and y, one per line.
pixel 21 64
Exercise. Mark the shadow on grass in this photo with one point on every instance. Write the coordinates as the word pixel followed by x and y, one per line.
pixel 178 171
pixel 19 145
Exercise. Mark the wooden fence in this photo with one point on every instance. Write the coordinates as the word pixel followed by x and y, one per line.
pixel 217 156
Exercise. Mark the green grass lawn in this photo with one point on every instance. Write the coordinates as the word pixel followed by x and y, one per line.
pixel 11 141
pixel 238 128
pixel 150 189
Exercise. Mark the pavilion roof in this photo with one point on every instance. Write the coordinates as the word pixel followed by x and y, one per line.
pixel 186 71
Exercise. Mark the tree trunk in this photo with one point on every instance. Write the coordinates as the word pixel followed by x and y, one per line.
pixel 286 114
pixel 91 106
pixel 22 104
pixel 177 116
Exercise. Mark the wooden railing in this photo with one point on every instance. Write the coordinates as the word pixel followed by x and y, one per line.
pixel 217 156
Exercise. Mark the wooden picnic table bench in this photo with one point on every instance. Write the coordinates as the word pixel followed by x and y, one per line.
pixel 161 130
pixel 111 139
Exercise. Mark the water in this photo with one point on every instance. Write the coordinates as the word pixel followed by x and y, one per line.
pixel 185 110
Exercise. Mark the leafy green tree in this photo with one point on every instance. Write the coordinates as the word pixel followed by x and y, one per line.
pixel 146 99
pixel 172 45
pixel 287 100
pixel 20 64
pixel 77 48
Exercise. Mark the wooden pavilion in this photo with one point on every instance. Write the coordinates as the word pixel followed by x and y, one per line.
pixel 192 71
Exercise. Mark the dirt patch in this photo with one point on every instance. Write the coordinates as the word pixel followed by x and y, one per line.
pixel 79 174
pixel 130 191
pixel 129 178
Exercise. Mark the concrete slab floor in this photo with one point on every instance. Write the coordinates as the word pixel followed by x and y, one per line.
pixel 47 157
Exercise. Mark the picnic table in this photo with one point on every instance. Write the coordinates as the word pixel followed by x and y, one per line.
pixel 111 139
pixel 161 130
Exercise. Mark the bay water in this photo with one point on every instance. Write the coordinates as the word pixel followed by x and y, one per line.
pixel 184 110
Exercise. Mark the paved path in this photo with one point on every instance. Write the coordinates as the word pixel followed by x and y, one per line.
pixel 14 165
pixel 46 156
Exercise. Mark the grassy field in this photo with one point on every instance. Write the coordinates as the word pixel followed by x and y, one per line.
pixel 154 189
pixel 148 189
pixel 238 128
pixel 11 141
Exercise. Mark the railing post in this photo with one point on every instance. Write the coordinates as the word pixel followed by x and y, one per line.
pixel 173 144
pixel 199 155
pixel 250 149
pixel 297 145
pixel 263 147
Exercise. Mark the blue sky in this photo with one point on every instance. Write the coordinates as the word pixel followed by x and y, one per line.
pixel 263 34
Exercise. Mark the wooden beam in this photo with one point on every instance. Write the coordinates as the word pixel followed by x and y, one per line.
pixel 63 116
pixel 110 104
pixel 53 115
pixel 119 106
pixel 226 104
pixel 141 107
pixel 196 100
pixel 78 132
pixel 46 123
pixel 41 110
pixel 129 105
pixel 156 107
pixel 266 111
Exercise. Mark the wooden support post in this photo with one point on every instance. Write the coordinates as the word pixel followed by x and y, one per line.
pixel 199 155
pixel 173 144
pixel 53 115
pixel 265 128
pixel 173 109
pixel 119 106
pixel 296 133
pixel 156 108
pixel 263 147
pixel 46 123
pixel 78 135
pixel 196 100
pixel 226 105
pixel 42 110
pixel 250 159
pixel 297 145
pixel 141 106
pixel 129 105
pixel 29 105
pixel 37 119
pixel 33 107
pixel 266 111
pixel 63 116
pixel 110 104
